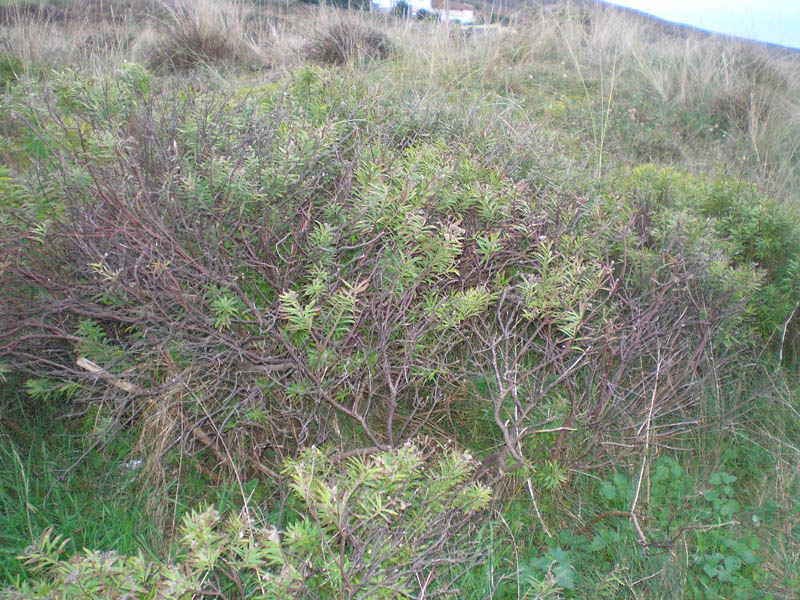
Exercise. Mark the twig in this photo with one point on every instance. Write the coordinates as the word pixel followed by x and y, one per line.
pixel 642 538
pixel 783 335
pixel 126 386
pixel 604 515
pixel 536 508
pixel 342 456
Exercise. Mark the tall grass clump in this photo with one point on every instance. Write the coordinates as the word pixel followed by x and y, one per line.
pixel 342 39
pixel 51 37
pixel 199 32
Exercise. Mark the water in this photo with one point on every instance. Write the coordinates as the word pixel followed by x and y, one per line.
pixel 772 21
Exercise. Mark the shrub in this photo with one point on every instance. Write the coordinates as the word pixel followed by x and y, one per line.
pixel 426 15
pixel 342 41
pixel 755 231
pixel 300 285
pixel 378 527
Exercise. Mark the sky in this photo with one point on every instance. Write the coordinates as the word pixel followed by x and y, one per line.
pixel 774 21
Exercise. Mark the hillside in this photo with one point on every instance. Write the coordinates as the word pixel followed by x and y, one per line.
pixel 303 301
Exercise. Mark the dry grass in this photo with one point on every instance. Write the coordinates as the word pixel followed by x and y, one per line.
pixel 722 103
pixel 565 58
pixel 199 32
pixel 48 40
pixel 344 39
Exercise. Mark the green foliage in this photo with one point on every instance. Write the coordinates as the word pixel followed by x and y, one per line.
pixel 374 527
pixel 47 389
pixel 96 504
pixel 10 69
pixel 225 308
pixel 95 346
pixel 751 229
pixel 549 475
pixel 300 232
pixel 546 576
pixel 722 552
pixel 299 318
pixel 724 561
pixel 426 15
pixel 563 289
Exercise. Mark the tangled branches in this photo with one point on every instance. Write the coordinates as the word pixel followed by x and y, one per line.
pixel 263 281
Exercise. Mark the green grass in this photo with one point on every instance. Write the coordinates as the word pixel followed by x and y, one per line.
pixel 98 504
pixel 722 518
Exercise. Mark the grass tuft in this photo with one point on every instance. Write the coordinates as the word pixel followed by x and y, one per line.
pixel 343 41
pixel 199 32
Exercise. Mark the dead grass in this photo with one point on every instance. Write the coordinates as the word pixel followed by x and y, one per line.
pixel 345 38
pixel 53 37
pixel 199 32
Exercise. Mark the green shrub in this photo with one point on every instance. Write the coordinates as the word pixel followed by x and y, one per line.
pixel 752 230
pixel 425 15
pixel 375 527
pixel 10 69
pixel 310 272
pixel 696 532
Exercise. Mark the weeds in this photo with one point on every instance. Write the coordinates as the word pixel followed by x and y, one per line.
pixel 92 511
pixel 402 526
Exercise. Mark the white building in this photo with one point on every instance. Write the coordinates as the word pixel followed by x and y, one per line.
pixel 454 11
pixel 414 5
pixel 446 10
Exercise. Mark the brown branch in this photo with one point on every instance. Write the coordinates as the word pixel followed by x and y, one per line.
pixel 604 515
pixel 118 382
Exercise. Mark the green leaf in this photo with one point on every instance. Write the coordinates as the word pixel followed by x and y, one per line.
pixel 732 564
pixel 729 508
pixel 608 490
pixel 301 318
pixel 598 543
pixel 748 557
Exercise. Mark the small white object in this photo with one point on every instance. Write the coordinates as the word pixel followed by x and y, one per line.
pixel 133 464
